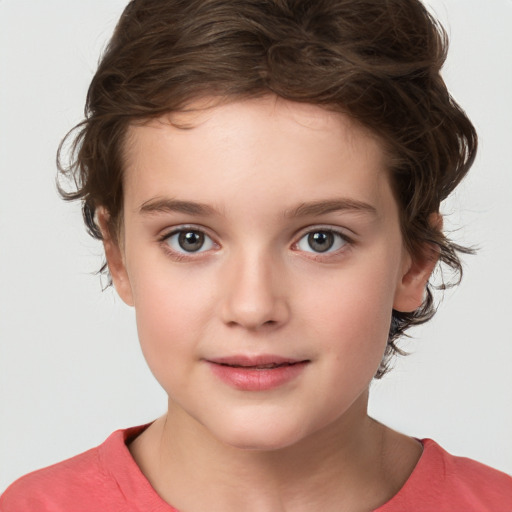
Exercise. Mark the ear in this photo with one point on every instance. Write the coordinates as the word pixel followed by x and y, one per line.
pixel 115 258
pixel 410 292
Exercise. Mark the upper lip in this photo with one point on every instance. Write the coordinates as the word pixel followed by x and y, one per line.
pixel 255 360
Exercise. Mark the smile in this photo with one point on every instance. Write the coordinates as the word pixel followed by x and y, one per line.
pixel 270 366
pixel 260 373
pixel 260 367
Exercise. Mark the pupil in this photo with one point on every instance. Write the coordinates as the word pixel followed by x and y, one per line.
pixel 191 241
pixel 321 241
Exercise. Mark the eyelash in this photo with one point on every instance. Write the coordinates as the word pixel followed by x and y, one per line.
pixel 184 255
pixel 346 242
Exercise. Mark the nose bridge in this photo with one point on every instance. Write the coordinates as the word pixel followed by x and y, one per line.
pixel 254 295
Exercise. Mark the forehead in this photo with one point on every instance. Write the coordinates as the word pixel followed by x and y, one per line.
pixel 206 115
pixel 244 144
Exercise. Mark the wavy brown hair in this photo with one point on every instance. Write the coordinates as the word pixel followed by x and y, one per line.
pixel 378 61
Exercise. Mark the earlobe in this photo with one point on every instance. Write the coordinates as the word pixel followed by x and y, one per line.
pixel 115 259
pixel 410 291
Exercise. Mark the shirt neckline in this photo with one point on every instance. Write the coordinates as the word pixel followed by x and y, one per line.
pixel 117 461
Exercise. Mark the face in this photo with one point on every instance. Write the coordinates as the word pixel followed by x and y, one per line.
pixel 262 252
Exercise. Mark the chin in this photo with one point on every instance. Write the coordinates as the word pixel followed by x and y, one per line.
pixel 263 443
pixel 257 436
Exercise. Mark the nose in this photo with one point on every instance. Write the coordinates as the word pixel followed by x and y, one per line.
pixel 254 293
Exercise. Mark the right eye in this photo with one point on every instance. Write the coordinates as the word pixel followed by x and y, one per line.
pixel 189 241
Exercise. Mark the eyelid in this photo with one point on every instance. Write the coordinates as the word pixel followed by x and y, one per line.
pixel 171 230
pixel 182 255
pixel 337 230
pixel 349 241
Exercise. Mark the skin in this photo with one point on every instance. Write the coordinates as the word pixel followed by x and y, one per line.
pixel 266 173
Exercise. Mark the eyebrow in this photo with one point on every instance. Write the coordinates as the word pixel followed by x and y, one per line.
pixel 173 205
pixel 313 208
pixel 316 208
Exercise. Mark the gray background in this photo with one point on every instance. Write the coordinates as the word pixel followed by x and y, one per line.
pixel 70 367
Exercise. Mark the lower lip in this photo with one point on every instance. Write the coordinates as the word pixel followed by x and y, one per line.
pixel 250 379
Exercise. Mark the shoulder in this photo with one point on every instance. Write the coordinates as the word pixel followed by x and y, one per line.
pixel 51 488
pixel 84 482
pixel 444 482
pixel 483 487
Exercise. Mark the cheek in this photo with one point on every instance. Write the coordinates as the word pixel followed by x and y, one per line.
pixel 351 313
pixel 172 311
pixel 352 326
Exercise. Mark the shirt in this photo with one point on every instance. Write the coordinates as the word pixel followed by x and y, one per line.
pixel 107 478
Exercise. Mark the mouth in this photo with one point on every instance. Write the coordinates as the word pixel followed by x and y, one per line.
pixel 262 362
pixel 270 366
pixel 261 373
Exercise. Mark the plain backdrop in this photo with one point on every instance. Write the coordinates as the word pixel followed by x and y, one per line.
pixel 70 367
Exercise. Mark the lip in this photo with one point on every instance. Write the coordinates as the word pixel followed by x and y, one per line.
pixel 248 373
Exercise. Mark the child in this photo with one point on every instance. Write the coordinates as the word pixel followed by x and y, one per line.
pixel 266 179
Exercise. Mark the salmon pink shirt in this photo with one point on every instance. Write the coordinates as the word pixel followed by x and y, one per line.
pixel 107 478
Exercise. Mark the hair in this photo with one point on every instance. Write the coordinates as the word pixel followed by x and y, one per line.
pixel 378 61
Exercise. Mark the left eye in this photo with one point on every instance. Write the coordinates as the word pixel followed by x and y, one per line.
pixel 321 241
pixel 189 240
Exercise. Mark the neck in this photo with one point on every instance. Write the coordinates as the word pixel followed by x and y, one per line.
pixel 346 466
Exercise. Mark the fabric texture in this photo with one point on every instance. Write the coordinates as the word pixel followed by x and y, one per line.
pixel 107 478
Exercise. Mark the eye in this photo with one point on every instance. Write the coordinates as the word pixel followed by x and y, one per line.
pixel 189 240
pixel 321 241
